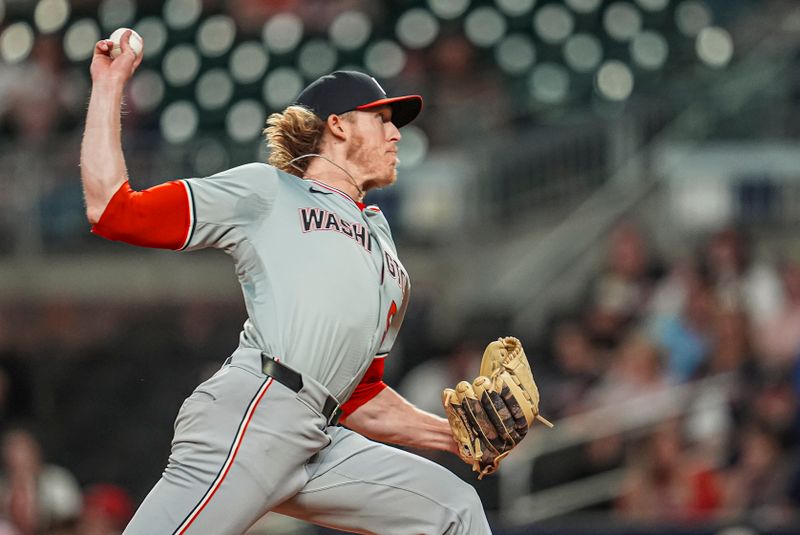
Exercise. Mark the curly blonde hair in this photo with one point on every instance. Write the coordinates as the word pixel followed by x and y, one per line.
pixel 294 132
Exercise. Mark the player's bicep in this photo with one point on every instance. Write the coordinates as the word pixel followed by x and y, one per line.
pixel 159 217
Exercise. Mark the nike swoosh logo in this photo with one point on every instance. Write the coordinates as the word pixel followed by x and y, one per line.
pixel 312 189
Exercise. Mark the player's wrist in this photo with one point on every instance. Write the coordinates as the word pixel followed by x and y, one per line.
pixel 108 86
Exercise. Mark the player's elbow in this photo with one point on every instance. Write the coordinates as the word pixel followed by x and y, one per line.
pixel 93 214
pixel 96 204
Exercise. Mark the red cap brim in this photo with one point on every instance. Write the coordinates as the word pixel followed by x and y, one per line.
pixel 404 109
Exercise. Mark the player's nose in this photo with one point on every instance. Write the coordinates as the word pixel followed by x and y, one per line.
pixel 393 133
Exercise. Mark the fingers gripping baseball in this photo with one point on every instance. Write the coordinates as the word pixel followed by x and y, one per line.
pixel 116 59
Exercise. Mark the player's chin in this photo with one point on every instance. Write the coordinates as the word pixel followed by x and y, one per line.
pixel 389 177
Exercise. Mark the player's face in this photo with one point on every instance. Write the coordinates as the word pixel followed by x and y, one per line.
pixel 373 147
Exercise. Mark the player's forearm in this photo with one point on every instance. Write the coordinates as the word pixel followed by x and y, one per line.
pixel 102 162
pixel 389 418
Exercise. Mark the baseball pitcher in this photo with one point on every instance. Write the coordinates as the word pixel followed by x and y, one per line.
pixel 325 295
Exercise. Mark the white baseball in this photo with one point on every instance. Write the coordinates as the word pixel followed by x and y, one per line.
pixel 135 41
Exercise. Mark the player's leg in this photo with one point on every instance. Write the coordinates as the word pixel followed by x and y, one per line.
pixel 241 443
pixel 363 486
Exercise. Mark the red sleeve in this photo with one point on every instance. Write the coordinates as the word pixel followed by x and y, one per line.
pixel 157 217
pixel 369 387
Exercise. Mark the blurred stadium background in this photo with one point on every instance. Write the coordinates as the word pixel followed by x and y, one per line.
pixel 616 182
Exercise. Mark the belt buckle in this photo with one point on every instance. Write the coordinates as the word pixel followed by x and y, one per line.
pixel 333 419
pixel 335 415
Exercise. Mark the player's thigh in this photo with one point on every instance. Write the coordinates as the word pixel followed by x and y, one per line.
pixel 367 487
pixel 241 444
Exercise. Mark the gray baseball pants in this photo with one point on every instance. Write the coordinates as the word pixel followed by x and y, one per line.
pixel 245 444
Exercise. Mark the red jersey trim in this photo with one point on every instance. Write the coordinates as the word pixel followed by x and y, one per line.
pixel 370 386
pixel 192 219
pixel 160 217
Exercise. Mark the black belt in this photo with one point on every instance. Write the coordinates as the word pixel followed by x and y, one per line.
pixel 294 381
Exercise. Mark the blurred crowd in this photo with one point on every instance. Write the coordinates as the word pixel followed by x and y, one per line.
pixel 643 329
pixel 39 497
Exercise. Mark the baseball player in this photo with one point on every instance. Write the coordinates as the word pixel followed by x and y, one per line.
pixel 325 295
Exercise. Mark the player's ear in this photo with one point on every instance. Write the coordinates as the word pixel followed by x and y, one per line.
pixel 337 127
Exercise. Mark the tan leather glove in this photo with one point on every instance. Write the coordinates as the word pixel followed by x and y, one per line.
pixel 491 415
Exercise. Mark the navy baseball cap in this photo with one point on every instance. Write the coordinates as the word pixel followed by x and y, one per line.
pixel 343 91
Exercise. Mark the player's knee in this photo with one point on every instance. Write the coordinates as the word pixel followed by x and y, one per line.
pixel 468 515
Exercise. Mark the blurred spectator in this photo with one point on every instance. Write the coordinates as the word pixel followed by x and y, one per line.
pixel 687 338
pixel 740 282
pixel 711 419
pixel 35 496
pixel 667 482
pixel 619 295
pixel 577 365
pixel 759 479
pixel 775 405
pixel 107 509
pixel 732 347
pixel 779 336
pixel 636 369
pixel 671 291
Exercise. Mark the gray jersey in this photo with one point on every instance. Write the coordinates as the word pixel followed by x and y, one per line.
pixel 326 294
pixel 324 289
